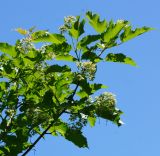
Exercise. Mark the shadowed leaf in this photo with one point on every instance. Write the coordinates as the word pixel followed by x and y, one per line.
pixel 121 58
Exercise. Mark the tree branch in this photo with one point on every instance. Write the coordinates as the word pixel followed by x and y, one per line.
pixel 44 132
pixel 51 124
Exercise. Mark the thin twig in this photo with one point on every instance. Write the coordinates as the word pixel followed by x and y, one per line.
pixel 102 51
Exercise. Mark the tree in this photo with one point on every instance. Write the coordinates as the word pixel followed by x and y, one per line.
pixel 38 98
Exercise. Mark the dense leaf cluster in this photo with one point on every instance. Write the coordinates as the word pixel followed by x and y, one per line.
pixel 38 98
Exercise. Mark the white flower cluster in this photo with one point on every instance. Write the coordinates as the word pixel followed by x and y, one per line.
pixel 63 28
pixel 26 44
pixel 67 23
pixel 69 19
pixel 107 100
pixel 48 54
pixel 84 116
pixel 88 69
pixel 120 21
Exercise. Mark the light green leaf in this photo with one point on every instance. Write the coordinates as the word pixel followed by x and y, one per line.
pixel 3 85
pixel 77 28
pixel 22 31
pixel 92 121
pixel 45 36
pixel 8 49
pixel 82 94
pixel 94 21
pixel 121 58
pixel 97 86
pixel 65 58
pixel 113 30
pixel 129 33
pixel 61 128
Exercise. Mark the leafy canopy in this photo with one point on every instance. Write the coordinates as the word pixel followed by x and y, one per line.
pixel 38 98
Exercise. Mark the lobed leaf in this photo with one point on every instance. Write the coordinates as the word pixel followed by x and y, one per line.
pixel 45 36
pixel 94 21
pixel 113 30
pixel 85 41
pixel 128 33
pixel 77 28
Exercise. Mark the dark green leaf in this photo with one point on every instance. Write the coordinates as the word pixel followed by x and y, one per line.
pixel 91 56
pixel 88 40
pixel 121 58
pixel 112 115
pixel 57 68
pixel 58 49
pixel 76 137
pixel 73 135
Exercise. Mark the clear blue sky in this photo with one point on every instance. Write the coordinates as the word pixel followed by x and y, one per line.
pixel 137 89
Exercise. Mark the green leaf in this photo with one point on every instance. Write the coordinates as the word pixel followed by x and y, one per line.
pixel 111 115
pixel 73 135
pixel 4 85
pixel 89 89
pixel 82 94
pixel 66 58
pixel 45 36
pixel 58 49
pixel 22 31
pixel 97 86
pixel 85 87
pixel 113 30
pixel 60 128
pixel 76 137
pixel 88 40
pixel 77 28
pixel 94 21
pixel 128 33
pixel 57 68
pixel 92 121
pixel 121 58
pixel 8 49
pixel 91 56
